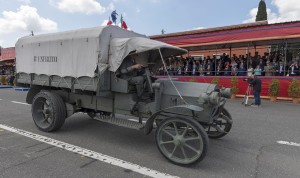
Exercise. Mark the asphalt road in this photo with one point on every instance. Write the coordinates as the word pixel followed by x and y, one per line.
pixel 251 149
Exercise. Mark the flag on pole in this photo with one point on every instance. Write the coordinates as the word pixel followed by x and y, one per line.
pixel 109 22
pixel 123 23
pixel 114 16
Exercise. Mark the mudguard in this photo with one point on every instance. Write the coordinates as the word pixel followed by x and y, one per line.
pixel 149 124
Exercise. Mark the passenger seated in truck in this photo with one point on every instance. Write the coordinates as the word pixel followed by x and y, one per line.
pixel 132 72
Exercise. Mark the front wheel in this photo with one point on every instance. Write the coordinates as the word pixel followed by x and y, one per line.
pixel 182 141
pixel 221 126
pixel 48 111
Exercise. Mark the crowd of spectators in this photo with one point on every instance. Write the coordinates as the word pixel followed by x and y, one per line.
pixel 273 64
pixel 8 73
pixel 7 70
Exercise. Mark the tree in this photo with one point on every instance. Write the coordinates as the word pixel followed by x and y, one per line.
pixel 262 11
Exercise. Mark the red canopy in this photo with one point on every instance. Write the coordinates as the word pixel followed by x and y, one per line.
pixel 8 54
pixel 234 36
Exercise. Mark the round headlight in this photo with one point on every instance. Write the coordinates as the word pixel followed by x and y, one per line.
pixel 225 92
pixel 214 98
pixel 211 98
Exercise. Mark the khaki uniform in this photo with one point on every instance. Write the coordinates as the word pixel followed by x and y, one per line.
pixel 268 70
pixel 131 75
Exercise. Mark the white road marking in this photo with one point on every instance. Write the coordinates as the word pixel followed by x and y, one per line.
pixel 288 143
pixel 89 153
pixel 20 103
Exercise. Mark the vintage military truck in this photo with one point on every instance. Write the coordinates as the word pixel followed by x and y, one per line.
pixel 75 71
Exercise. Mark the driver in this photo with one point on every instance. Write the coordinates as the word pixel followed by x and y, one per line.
pixel 132 72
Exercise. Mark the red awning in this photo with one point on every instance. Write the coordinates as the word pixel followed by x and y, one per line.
pixel 8 54
pixel 258 35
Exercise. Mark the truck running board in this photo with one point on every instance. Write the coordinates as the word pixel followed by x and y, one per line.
pixel 120 122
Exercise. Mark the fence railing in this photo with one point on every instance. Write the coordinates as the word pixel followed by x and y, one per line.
pixel 227 73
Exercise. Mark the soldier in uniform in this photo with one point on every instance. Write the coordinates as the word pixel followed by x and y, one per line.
pixel 132 72
pixel 268 69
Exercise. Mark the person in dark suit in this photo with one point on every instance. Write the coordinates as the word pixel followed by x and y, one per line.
pixel 256 83
pixel 280 69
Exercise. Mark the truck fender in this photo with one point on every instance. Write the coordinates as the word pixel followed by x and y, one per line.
pixel 31 94
pixel 149 124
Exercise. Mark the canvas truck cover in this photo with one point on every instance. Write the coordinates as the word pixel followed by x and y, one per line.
pixel 73 53
pixel 121 47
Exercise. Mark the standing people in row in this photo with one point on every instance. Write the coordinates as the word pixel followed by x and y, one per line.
pixel 267 65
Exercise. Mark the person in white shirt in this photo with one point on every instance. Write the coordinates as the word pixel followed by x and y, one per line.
pixel 294 69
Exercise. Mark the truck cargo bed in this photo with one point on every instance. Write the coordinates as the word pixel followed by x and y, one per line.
pixel 81 83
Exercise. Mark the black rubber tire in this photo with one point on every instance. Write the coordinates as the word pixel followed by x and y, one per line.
pixel 226 129
pixel 57 111
pixel 195 125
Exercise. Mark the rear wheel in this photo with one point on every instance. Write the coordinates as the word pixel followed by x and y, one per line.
pixel 182 141
pixel 48 111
